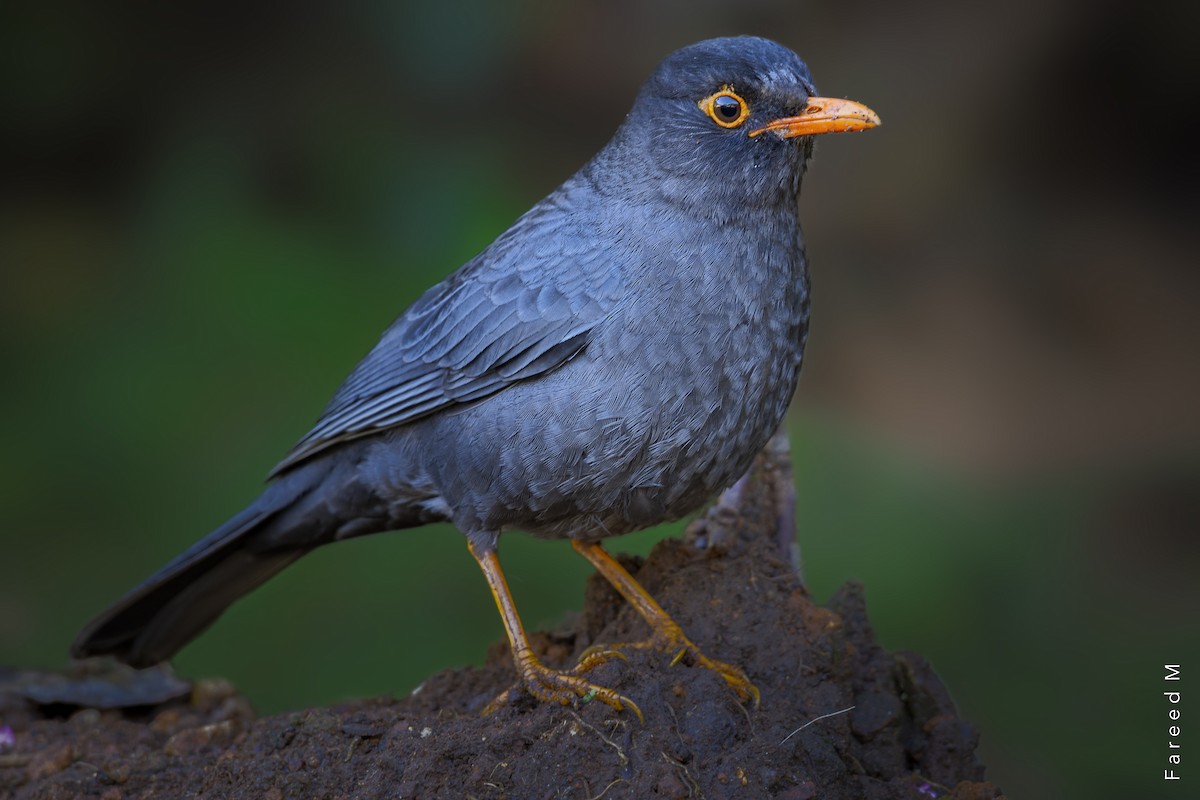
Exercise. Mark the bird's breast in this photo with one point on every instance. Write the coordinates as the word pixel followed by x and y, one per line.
pixel 679 389
pixel 674 393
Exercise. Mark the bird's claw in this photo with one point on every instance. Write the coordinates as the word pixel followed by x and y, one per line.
pixel 564 687
pixel 673 641
pixel 596 655
pixel 734 676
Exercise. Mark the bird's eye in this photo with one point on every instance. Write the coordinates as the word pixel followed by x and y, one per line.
pixel 726 108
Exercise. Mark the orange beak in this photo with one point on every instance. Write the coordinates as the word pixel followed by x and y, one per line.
pixel 823 115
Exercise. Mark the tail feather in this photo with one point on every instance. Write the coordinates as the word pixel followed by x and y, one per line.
pixel 174 605
pixel 182 599
pixel 314 503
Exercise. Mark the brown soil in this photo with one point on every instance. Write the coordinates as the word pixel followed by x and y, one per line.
pixel 738 598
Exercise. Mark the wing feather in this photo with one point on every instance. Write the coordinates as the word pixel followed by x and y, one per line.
pixel 514 312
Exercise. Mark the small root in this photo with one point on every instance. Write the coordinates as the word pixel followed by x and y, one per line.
pixel 624 759
pixel 606 788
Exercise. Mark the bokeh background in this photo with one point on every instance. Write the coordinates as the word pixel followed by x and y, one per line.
pixel 208 212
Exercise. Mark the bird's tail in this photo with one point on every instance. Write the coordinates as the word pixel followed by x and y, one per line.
pixel 152 622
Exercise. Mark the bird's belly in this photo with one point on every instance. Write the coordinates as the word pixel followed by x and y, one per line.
pixel 698 440
pixel 606 445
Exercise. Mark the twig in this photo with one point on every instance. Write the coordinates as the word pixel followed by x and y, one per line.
pixel 606 788
pixel 818 719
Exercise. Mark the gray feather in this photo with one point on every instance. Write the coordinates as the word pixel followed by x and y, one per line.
pixel 508 315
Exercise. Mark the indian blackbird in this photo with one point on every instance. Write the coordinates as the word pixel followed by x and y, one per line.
pixel 611 361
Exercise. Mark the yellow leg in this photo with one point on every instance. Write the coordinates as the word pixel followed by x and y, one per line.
pixel 666 634
pixel 540 681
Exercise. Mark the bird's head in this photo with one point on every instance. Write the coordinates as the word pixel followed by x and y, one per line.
pixel 726 122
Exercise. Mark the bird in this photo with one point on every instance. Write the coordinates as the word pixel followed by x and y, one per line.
pixel 612 361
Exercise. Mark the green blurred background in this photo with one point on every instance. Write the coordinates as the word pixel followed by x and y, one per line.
pixel 208 212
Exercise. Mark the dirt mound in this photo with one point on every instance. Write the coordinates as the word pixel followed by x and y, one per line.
pixel 737 597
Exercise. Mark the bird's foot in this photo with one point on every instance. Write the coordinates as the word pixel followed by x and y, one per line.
pixel 734 675
pixel 666 634
pixel 565 687
pixel 672 640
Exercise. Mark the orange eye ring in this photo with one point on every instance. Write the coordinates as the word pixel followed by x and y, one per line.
pixel 726 108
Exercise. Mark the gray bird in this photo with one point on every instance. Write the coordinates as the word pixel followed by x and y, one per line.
pixel 610 362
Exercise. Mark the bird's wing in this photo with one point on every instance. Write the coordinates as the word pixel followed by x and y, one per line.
pixel 521 308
